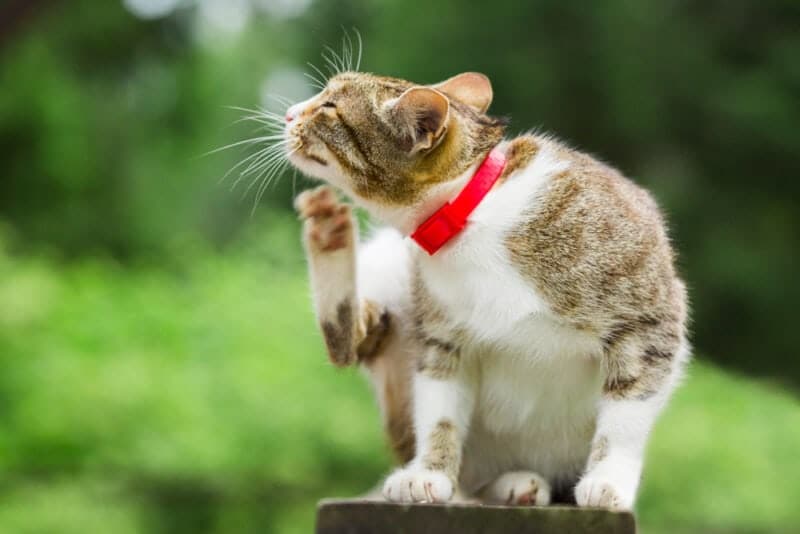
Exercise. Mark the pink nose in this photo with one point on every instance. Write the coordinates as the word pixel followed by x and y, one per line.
pixel 289 117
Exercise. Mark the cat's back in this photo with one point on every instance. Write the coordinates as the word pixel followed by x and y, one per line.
pixel 594 244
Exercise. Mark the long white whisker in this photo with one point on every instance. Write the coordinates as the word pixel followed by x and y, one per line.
pixel 238 143
pixel 277 172
pixel 272 121
pixel 266 152
pixel 314 82
pixel 264 159
pixel 267 113
pixel 256 156
pixel 264 177
pixel 268 122
pixel 360 49
pixel 332 59
pixel 239 164
pixel 323 78
pixel 255 118
pixel 347 51
pixel 280 99
pixel 344 56
pixel 267 180
pixel 257 166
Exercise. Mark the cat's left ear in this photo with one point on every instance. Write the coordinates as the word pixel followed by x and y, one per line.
pixel 471 88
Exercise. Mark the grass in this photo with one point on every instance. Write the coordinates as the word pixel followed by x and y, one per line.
pixel 196 397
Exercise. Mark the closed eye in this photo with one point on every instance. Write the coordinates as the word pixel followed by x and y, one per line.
pixel 328 105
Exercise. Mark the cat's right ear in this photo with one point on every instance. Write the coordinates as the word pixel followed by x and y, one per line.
pixel 421 113
pixel 472 88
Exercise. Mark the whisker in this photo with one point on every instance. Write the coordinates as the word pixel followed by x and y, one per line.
pixel 314 82
pixel 266 177
pixel 252 156
pixel 323 78
pixel 264 159
pixel 280 99
pixel 261 113
pixel 268 118
pixel 259 119
pixel 267 181
pixel 267 113
pixel 332 59
pixel 253 159
pixel 347 51
pixel 250 141
pixel 360 49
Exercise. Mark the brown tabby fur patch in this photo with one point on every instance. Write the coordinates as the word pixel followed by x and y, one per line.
pixel 442 352
pixel 519 154
pixel 445 450
pixel 594 246
pixel 339 334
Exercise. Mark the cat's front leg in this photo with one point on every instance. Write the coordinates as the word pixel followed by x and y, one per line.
pixel 444 399
pixel 642 370
pixel 352 328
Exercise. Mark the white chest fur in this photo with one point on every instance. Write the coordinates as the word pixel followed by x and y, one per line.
pixel 539 378
pixel 473 277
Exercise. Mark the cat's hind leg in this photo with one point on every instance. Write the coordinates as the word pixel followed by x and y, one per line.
pixel 644 368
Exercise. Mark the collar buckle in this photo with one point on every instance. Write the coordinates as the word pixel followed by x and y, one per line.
pixel 438 229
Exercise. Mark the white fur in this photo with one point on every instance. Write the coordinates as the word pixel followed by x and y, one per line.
pixel 327 297
pixel 384 269
pixel 339 265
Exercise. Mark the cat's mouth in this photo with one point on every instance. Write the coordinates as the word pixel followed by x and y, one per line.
pixel 309 156
pixel 317 159
pixel 303 152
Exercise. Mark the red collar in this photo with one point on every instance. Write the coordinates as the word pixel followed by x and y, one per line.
pixel 450 219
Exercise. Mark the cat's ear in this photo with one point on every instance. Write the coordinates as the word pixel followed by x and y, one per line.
pixel 471 88
pixel 422 114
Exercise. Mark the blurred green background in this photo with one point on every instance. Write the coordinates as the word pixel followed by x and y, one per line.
pixel 161 369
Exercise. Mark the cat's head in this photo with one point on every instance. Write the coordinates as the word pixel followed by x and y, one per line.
pixel 387 140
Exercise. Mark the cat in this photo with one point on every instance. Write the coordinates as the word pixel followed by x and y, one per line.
pixel 526 360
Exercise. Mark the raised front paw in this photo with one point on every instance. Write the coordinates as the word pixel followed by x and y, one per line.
pixel 328 223
pixel 411 485
pixel 599 492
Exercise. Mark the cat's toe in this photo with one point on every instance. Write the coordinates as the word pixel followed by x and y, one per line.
pixel 530 492
pixel 418 485
pixel 318 202
pixel 519 488
pixel 597 492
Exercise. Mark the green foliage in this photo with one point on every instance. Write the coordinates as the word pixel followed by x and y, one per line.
pixel 102 139
pixel 197 398
pixel 161 368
